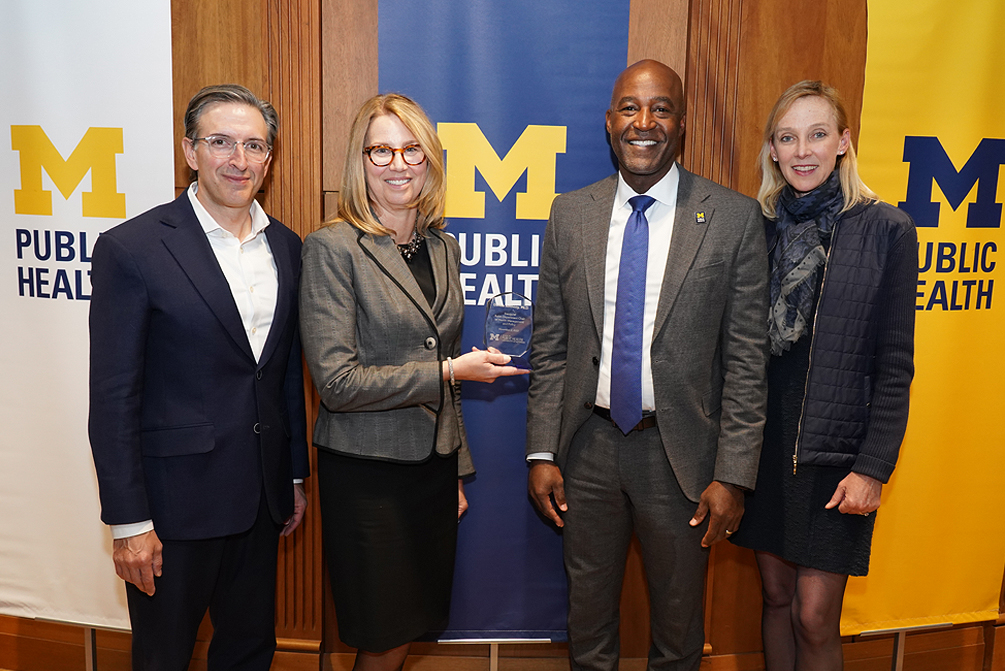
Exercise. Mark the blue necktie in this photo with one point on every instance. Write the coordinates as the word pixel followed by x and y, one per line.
pixel 626 353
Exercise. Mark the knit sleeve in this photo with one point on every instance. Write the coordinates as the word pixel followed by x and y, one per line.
pixel 894 364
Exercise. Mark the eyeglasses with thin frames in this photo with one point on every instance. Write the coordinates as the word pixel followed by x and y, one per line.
pixel 381 155
pixel 222 146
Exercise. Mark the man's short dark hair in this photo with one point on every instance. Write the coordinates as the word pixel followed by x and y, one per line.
pixel 228 93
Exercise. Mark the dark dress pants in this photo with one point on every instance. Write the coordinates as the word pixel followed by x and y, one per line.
pixel 615 484
pixel 234 577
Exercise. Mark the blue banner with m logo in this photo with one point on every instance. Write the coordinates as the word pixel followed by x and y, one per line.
pixel 518 92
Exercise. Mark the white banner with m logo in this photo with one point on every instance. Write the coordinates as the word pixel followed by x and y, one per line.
pixel 85 142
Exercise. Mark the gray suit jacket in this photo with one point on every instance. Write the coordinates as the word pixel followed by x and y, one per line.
pixel 709 350
pixel 374 347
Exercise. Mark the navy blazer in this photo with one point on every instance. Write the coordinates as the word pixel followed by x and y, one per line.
pixel 186 428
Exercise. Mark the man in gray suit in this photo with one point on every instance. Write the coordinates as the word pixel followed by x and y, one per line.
pixel 650 351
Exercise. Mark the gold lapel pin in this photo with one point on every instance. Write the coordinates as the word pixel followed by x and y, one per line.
pixel 699 217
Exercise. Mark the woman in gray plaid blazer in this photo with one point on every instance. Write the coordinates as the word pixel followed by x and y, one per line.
pixel 381 309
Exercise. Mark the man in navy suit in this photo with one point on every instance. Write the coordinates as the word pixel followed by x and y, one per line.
pixel 197 419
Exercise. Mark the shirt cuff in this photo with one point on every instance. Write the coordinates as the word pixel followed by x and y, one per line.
pixel 133 529
pixel 298 481
pixel 541 456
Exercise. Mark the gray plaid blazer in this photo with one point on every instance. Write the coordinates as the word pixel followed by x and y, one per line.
pixel 375 348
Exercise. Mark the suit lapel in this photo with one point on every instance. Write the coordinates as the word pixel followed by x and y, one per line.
pixel 188 245
pixel 596 218
pixel 690 224
pixel 385 254
pixel 287 288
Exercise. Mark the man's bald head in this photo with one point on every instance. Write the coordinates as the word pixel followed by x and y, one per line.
pixel 645 122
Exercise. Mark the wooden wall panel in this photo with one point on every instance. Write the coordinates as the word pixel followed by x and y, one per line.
pixel 213 43
pixel 733 601
pixel 658 29
pixel 349 69
pixel 742 54
pixel 293 85
pixel 711 87
pixel 994 648
pixel 783 42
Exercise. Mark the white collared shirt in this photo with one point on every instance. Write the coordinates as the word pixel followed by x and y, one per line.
pixel 249 268
pixel 251 272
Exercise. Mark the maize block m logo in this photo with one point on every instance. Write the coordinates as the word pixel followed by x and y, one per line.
pixel 534 152
pixel 95 153
pixel 929 162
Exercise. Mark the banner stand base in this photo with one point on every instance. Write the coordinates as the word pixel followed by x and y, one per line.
pixel 900 640
pixel 493 645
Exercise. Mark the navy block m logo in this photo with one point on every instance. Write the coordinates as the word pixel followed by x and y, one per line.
pixel 929 162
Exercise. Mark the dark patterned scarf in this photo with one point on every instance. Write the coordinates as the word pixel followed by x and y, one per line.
pixel 798 257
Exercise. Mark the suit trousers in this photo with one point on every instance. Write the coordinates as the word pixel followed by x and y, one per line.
pixel 234 577
pixel 614 485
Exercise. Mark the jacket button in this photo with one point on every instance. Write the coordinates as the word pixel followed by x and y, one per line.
pixel 258 375
pixel 257 428
pixel 430 343
pixel 588 405
pixel 596 361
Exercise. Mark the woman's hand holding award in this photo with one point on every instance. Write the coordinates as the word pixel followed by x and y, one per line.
pixel 509 321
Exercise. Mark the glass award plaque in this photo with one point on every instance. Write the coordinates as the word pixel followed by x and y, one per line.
pixel 509 321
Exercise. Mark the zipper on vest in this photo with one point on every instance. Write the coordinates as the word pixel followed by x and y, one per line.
pixel 813 338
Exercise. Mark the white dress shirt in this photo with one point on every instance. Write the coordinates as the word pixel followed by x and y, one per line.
pixel 251 273
pixel 661 220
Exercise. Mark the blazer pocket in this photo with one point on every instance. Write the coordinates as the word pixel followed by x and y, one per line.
pixel 177 441
pixel 711 270
pixel 711 401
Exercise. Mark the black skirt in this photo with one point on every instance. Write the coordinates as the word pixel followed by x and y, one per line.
pixel 786 517
pixel 390 535
pixel 785 514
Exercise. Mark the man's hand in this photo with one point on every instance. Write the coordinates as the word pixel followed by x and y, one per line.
pixel 725 502
pixel 856 494
pixel 543 481
pixel 462 501
pixel 138 559
pixel 299 508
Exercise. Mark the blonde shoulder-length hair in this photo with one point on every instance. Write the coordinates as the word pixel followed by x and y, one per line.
pixel 772 181
pixel 353 198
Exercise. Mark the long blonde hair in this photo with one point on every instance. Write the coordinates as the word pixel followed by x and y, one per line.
pixel 353 200
pixel 772 181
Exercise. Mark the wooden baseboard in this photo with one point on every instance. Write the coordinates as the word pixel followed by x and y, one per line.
pixel 959 648
pixel 344 661
pixel 30 645
pixel 33 645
